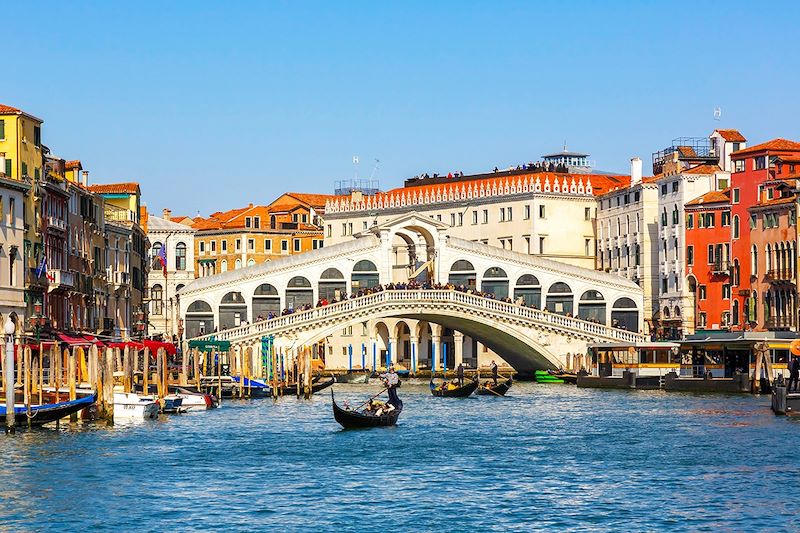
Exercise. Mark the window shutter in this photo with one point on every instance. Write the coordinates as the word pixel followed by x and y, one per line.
pixel 2 129
pixel 8 168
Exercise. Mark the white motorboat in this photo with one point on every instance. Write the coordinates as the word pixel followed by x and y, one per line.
pixel 129 405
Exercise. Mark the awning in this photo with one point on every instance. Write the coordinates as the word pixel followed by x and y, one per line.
pixel 74 341
pixel 130 344
pixel 210 345
pixel 155 345
pixel 94 340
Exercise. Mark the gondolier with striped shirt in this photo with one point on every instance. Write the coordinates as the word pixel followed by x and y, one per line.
pixel 392 381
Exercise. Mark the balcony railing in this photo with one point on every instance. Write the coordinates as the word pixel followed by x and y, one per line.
pixel 57 223
pixel 61 278
pixel 780 275
pixel 118 214
pixel 723 266
pixel 778 322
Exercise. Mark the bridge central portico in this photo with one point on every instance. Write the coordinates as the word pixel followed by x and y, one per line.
pixel 406 290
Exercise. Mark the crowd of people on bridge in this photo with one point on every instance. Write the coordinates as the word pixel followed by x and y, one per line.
pixel 539 166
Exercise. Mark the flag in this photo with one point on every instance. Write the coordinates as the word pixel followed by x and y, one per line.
pixel 162 256
pixel 42 268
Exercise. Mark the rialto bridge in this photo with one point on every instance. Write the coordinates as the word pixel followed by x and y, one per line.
pixel 555 309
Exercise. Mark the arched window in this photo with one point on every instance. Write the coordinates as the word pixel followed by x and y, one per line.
pixel 560 299
pixel 251 262
pixel 735 313
pixel 463 273
pixel 736 226
pixel 299 293
pixel 155 263
pixel 223 266
pixel 266 300
pixel 364 275
pixel 753 261
pixel 625 314
pixel 199 319
pixel 331 285
pixel 529 289
pixel 495 281
pixel 736 272
pixel 180 256
pixel 665 312
pixel 592 307
pixel 157 300
pixel 232 310
pixel 768 258
pixel 238 264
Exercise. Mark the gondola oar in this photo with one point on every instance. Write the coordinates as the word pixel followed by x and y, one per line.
pixel 490 390
pixel 372 398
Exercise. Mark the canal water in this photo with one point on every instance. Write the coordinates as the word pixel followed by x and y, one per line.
pixel 546 456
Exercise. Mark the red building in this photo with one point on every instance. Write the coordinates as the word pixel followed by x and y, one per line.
pixel 708 265
pixel 753 167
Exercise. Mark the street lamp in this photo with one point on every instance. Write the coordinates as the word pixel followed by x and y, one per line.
pixel 9 330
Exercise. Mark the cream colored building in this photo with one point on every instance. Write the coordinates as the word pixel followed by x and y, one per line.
pixel 179 242
pixel 548 214
pixel 627 236
pixel 12 240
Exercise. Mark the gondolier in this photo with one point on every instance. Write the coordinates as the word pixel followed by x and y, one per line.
pixel 494 372
pixel 391 380
pixel 460 374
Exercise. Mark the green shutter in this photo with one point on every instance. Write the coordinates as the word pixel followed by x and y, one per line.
pixel 8 168
pixel 24 169
pixel 2 128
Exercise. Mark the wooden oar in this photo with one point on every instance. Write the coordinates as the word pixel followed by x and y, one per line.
pixel 493 392
pixel 372 398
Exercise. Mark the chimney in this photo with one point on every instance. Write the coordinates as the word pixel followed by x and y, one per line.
pixel 166 213
pixel 636 170
pixel 250 206
pixel 85 178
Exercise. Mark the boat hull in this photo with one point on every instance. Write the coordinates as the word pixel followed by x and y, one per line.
pixel 43 414
pixel 288 390
pixel 354 420
pixel 498 390
pixel 129 405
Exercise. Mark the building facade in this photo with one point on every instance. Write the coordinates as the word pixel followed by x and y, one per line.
pixel 164 281
pixel 547 214
pixel 12 245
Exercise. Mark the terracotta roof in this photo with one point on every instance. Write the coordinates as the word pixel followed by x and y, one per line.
pixel 650 179
pixel 314 200
pixel 7 110
pixel 116 188
pixel 775 201
pixel 778 145
pixel 732 136
pixel 284 208
pixel 712 197
pixel 702 169
pixel 687 151
pixel 789 159
pixel 71 165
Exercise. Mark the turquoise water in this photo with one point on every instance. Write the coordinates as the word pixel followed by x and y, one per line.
pixel 546 456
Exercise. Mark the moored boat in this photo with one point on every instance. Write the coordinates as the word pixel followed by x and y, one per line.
pixel 543 376
pixel 566 377
pixel 129 405
pixel 352 419
pixel 451 390
pixel 48 412
pixel 488 388
pixel 353 376
pixel 254 388
pixel 291 388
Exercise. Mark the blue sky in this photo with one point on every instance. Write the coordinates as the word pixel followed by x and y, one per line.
pixel 212 105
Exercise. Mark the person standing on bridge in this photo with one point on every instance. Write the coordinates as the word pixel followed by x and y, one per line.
pixel 460 374
pixel 493 366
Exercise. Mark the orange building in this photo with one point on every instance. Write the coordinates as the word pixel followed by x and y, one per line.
pixel 257 233
pixel 708 252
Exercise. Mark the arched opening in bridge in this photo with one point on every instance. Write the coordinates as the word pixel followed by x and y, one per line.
pixel 625 314
pixel 530 290
pixel 332 285
pixel 495 281
pixel 592 307
pixel 266 300
pixel 403 355
pixel 463 273
pixel 299 293
pixel 365 275
pixel 232 310
pixel 199 319
pixel 560 298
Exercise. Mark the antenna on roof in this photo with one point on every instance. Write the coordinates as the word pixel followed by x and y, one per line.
pixel 355 164
pixel 375 169
pixel 565 145
pixel 717 113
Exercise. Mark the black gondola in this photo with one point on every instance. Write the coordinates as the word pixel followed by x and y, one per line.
pixel 288 390
pixel 494 390
pixel 459 392
pixel 44 413
pixel 356 419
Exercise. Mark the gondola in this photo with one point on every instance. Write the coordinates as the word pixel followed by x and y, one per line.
pixel 459 392
pixel 356 419
pixel 48 412
pixel 495 390
pixel 288 390
pixel 566 377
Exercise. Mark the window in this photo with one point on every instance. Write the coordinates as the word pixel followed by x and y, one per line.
pixel 710 220
pixel 37 135
pixel 701 320
pixel 251 245
pixel 502 214
pixel 180 256
pixel 461 219
pixel 760 163
pixel 452 219
pixel 675 185
pixel 526 214
pixel 664 190
pixel 474 217
pixel 509 216
pixel 663 285
pixel 725 219
pixel 257 222
pixel 710 254
pixel 2 129
pixel 238 244
pixel 701 292
pixel 364 225
pixel 738 166
pixel 24 169
pixel 541 245
pixel 267 245
pixel 675 215
pixel 735 196
pixel 587 246
pixel 247 222
pixel 664 218
pixel 726 291
pixel 587 213
pixel 202 247
pixel 296 243
pixel 736 227
pixel 157 299
pixel 485 216
pixel 690 255
pixel 213 247
pixel 329 232
pixel 689 221
pixel 8 167
pixel 223 245
pixel 344 229
pixel 284 245
pixel 541 211
pixel 752 221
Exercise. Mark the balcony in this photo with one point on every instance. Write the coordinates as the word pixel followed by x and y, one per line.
pixel 56 223
pixel 778 322
pixel 118 214
pixel 780 276
pixel 119 279
pixel 59 279
pixel 721 267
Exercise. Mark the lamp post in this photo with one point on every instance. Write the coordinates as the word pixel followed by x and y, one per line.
pixel 9 330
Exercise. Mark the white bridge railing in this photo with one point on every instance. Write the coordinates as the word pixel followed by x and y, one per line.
pixel 411 298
